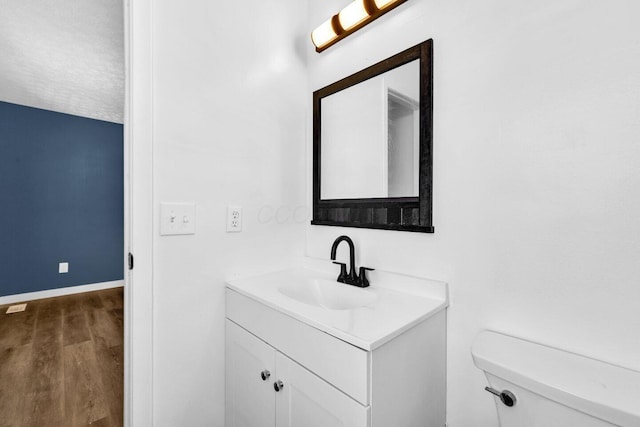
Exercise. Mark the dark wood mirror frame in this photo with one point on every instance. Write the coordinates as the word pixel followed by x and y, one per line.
pixel 393 213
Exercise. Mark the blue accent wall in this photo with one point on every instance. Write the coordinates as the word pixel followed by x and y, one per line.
pixel 61 200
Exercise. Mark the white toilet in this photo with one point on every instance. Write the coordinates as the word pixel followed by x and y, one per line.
pixel 554 388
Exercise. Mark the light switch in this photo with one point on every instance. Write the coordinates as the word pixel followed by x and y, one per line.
pixel 177 218
pixel 63 267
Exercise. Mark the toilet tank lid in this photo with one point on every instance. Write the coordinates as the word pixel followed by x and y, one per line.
pixel 605 391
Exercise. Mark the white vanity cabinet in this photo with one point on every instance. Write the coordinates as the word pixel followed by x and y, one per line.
pixel 291 364
pixel 301 398
pixel 250 400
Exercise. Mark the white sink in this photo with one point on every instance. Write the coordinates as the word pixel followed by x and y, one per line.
pixel 364 317
pixel 329 294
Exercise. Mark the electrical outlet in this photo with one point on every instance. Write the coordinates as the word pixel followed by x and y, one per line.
pixel 63 267
pixel 234 218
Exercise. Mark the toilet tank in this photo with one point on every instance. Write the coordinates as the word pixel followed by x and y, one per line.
pixel 554 387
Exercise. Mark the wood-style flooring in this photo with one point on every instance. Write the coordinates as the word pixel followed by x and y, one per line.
pixel 61 361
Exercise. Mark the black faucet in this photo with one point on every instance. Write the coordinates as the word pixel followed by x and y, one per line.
pixel 351 278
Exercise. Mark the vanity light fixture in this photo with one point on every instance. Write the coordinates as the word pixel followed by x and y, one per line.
pixel 350 19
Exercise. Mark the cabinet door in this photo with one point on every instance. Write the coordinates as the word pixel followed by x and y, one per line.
pixel 250 400
pixel 305 400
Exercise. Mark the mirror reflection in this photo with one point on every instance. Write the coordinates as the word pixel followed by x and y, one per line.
pixel 370 137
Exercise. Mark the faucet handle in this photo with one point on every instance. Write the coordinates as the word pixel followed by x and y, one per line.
pixel 342 277
pixel 362 276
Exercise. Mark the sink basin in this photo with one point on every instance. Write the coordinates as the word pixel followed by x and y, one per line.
pixel 328 294
pixel 366 318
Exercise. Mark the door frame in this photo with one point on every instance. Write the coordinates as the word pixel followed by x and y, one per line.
pixel 139 218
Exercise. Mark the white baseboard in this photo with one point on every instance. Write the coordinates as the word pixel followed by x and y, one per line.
pixel 30 296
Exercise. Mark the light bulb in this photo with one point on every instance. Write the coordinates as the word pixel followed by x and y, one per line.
pixel 353 14
pixel 323 34
pixel 381 4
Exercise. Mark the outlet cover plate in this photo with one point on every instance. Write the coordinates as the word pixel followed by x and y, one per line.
pixel 63 267
pixel 234 219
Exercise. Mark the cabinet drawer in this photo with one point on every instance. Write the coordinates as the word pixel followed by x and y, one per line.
pixel 344 366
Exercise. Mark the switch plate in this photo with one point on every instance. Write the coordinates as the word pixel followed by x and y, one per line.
pixel 177 218
pixel 63 267
pixel 234 219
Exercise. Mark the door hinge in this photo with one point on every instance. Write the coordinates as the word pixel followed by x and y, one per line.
pixel 130 261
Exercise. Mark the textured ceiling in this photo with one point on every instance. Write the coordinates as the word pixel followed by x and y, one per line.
pixel 63 55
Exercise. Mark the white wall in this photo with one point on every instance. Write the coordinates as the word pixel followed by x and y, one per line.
pixel 229 126
pixel 536 154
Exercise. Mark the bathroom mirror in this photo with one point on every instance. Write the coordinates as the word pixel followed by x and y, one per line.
pixel 376 124
pixel 372 142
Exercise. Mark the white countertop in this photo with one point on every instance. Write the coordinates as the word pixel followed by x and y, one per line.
pixel 403 301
